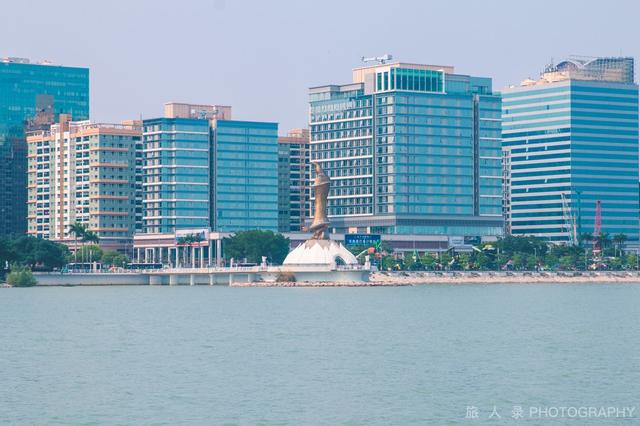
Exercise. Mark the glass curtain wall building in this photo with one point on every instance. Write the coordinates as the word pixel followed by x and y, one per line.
pixel 32 97
pixel 204 172
pixel 244 175
pixel 411 149
pixel 176 172
pixel 572 139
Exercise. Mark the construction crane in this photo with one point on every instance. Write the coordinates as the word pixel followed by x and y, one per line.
pixel 597 230
pixel 569 220
pixel 378 59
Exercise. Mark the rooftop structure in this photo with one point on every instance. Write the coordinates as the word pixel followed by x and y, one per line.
pixel 612 69
pixel 202 112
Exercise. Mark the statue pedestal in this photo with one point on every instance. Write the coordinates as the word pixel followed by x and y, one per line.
pixel 326 253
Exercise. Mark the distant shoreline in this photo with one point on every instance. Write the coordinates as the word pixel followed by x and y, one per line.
pixel 390 279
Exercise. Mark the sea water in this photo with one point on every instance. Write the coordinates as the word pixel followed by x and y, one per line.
pixel 441 354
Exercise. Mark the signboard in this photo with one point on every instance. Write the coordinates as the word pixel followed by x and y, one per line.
pixel 456 241
pixel 361 239
pixel 192 237
pixel 472 241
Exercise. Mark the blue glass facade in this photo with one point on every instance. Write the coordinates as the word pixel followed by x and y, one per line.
pixel 411 151
pixel 176 174
pixel 217 174
pixel 245 181
pixel 32 96
pixel 578 140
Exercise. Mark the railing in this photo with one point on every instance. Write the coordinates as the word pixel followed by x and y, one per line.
pixel 189 270
pixel 352 268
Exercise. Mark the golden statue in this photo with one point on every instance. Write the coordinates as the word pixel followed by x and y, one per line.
pixel 320 222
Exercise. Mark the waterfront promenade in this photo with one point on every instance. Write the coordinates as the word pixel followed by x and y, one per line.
pixel 168 276
pixel 471 277
pixel 235 275
pixel 257 276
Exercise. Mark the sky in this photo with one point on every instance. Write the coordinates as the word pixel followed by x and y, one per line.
pixel 262 56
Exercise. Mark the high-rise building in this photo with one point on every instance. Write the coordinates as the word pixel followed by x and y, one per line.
pixel 411 150
pixel 139 174
pixel 293 180
pixel 203 170
pixel 244 175
pixel 32 96
pixel 176 169
pixel 572 139
pixel 83 172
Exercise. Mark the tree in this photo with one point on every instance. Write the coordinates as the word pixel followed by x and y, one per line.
pixel 113 258
pixel 412 262
pixel 388 263
pixel 5 249
pixel 619 240
pixel 21 276
pixel 91 253
pixel 252 245
pixel 585 237
pixel 89 237
pixel 616 263
pixel 551 261
pixel 428 260
pixel 464 260
pixel 484 260
pixel 39 253
pixel 190 240
pixel 567 262
pixel 446 260
pixel 631 261
pixel 78 230
pixel 512 244
pixel 604 241
pixel 518 260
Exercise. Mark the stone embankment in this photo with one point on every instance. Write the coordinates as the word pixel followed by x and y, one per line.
pixel 426 278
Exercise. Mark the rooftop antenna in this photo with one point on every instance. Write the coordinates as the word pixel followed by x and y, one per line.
pixel 550 66
pixel 378 59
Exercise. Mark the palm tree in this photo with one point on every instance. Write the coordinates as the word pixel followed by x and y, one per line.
pixel 619 240
pixel 585 237
pixel 79 231
pixel 190 240
pixel 186 241
pixel 196 238
pixel 90 237
pixel 603 240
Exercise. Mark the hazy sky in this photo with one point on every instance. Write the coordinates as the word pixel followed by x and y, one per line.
pixel 261 56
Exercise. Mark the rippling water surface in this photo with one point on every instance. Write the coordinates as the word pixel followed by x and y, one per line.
pixel 297 356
